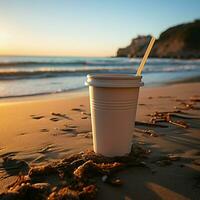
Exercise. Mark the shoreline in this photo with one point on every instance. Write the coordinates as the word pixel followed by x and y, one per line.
pixel 70 94
pixel 77 91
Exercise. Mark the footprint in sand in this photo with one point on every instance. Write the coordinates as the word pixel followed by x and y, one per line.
pixel 141 104
pixel 14 166
pixel 85 131
pixel 61 115
pixel 164 97
pixel 70 131
pixel 55 119
pixel 37 116
pixel 77 109
pixel 9 154
pixel 85 113
pixel 85 135
pixel 23 133
pixel 39 159
pixel 71 126
pixel 84 117
pixel 46 149
pixel 44 130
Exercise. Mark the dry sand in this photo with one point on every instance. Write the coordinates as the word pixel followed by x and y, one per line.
pixel 31 130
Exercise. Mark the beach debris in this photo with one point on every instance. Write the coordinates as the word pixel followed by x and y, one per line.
pixel 147 132
pixel 46 149
pixel 188 105
pixel 39 159
pixel 75 176
pixel 25 191
pixel 179 123
pixel 87 193
pixel 61 115
pixel 166 160
pixel 112 181
pixel 139 123
pixel 87 170
pixel 37 116
pixel 38 173
pixel 116 182
pixel 166 117
pixel 185 106
pixel 104 178
pixel 183 116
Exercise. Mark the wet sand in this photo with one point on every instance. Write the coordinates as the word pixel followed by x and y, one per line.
pixel 41 129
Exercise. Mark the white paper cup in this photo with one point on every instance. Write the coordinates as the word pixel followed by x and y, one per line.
pixel 113 104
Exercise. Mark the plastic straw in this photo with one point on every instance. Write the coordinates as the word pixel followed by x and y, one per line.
pixel 144 59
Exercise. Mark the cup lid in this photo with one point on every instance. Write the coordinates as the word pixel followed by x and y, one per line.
pixel 114 80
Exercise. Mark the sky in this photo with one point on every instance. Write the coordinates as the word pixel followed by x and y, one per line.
pixel 85 27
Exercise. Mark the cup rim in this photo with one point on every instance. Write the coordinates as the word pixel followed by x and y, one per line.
pixel 114 76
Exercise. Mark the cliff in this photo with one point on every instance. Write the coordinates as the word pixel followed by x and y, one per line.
pixel 181 41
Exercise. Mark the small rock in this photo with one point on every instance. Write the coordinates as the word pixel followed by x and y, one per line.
pixel 42 186
pixel 104 178
pixel 116 182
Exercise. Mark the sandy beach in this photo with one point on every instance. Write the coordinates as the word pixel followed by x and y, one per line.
pixel 46 128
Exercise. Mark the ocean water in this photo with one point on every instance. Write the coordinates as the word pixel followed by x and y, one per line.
pixel 21 76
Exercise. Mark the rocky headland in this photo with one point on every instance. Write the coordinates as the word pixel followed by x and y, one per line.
pixel 181 41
